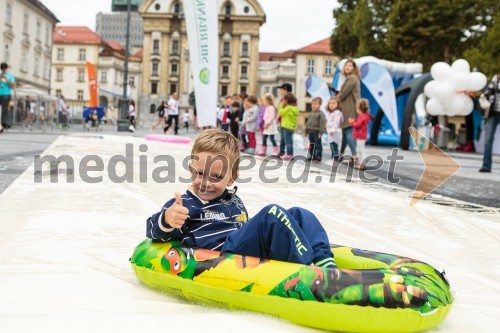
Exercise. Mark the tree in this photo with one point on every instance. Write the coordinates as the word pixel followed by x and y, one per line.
pixel 343 41
pixel 485 56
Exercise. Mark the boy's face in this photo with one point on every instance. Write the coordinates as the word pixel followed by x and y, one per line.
pixel 211 174
pixel 315 106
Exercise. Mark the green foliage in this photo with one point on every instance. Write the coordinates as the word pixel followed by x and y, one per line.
pixel 423 31
pixel 485 56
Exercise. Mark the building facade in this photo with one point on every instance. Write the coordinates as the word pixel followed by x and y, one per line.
pixel 166 68
pixel 111 27
pixel 26 43
pixel 318 59
pixel 73 47
pixel 110 77
pixel 121 5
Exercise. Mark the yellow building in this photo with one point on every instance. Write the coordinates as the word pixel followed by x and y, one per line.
pixel 166 68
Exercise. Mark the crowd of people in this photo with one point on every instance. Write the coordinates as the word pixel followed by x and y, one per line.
pixel 346 122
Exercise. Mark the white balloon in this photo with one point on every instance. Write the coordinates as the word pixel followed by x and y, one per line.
pixel 461 65
pixel 441 71
pixel 430 88
pixel 461 80
pixel 477 81
pixel 434 107
pixel 460 105
pixel 444 91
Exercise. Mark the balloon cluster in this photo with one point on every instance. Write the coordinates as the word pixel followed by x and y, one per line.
pixel 448 91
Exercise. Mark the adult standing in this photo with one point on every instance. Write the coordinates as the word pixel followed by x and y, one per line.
pixel 62 111
pixel 173 113
pixel 492 121
pixel 7 83
pixel 284 89
pixel 349 95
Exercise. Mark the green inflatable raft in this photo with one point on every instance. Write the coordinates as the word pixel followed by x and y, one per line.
pixel 370 292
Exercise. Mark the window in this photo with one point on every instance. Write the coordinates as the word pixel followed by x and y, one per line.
pixel 328 67
pixel 24 61
pixel 46 70
pixel 243 89
pixel 225 50
pixel 6 54
pixel 155 68
pixel 152 108
pixel 308 107
pixel 26 23
pixel 225 71
pixel 173 88
pixel 224 90
pixel 79 95
pixel 60 54
pixel 58 92
pixel 156 46
pixel 82 55
pixel 131 81
pixel 38 30
pixel 47 34
pixel 244 71
pixel 244 52
pixel 37 66
pixel 59 74
pixel 173 69
pixel 177 8
pixel 246 9
pixel 227 9
pixel 266 90
pixel 8 13
pixel 310 66
pixel 104 77
pixel 175 47
pixel 154 88
pixel 81 75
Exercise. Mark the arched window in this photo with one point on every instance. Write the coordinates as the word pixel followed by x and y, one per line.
pixel 152 108
pixel 177 8
pixel 228 8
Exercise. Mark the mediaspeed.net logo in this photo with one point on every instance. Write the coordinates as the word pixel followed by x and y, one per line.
pixel 121 168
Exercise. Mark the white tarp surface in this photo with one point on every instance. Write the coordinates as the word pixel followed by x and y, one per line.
pixel 64 248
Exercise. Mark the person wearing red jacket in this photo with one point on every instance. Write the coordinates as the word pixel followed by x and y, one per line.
pixel 360 133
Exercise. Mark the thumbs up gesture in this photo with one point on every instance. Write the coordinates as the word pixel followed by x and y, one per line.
pixel 175 216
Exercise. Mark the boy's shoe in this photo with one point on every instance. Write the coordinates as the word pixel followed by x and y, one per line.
pixel 317 160
pixel 484 170
pixel 287 157
pixel 250 151
pixel 309 159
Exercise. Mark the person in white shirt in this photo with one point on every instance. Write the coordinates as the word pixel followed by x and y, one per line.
pixel 173 113
pixel 131 114
pixel 63 112
pixel 186 117
pixel 31 114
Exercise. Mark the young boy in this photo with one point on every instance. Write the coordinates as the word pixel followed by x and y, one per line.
pixel 210 216
pixel 316 126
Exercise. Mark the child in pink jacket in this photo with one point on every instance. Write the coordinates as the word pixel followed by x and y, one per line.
pixel 360 133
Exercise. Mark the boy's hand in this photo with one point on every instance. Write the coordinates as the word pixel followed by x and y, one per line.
pixel 176 215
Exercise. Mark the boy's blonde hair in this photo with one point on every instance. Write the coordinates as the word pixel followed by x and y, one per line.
pixel 319 100
pixel 219 142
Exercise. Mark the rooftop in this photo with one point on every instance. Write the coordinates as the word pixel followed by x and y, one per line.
pixel 76 35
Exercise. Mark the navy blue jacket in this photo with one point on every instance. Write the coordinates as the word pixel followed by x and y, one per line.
pixel 208 223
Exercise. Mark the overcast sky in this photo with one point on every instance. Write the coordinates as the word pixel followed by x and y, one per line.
pixel 291 24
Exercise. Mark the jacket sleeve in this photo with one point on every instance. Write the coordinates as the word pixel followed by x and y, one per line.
pixel 157 230
pixel 348 86
pixel 358 122
pixel 322 123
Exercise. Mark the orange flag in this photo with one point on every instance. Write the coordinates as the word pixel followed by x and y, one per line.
pixel 92 85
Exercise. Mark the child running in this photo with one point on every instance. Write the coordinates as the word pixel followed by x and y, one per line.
pixel 360 126
pixel 335 118
pixel 211 216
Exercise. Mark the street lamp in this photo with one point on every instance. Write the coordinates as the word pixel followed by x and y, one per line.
pixel 124 106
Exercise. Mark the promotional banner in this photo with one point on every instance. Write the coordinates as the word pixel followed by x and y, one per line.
pixel 202 28
pixel 92 85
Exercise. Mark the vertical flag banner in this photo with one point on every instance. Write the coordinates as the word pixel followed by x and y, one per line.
pixel 92 85
pixel 203 33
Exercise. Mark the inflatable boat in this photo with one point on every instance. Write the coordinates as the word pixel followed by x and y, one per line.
pixel 369 292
